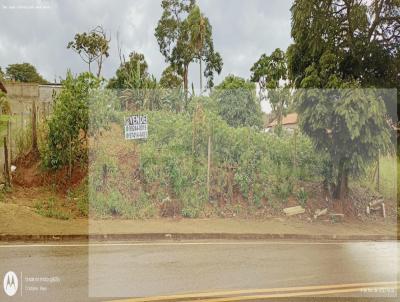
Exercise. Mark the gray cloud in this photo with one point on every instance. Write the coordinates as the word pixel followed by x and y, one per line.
pixel 243 30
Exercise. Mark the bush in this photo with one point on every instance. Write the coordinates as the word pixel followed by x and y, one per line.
pixel 302 197
pixel 82 108
pixel 172 174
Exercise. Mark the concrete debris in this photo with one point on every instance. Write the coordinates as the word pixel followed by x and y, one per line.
pixel 294 211
pixel 319 212
pixel 375 206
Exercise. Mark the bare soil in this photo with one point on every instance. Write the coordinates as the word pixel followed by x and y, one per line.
pixel 30 174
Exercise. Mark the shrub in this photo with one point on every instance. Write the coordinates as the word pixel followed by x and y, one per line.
pixel 302 197
pixel 172 174
pixel 81 109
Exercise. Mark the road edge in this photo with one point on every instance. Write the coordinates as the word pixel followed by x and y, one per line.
pixel 193 236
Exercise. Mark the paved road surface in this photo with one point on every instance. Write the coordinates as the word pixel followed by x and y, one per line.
pixel 73 271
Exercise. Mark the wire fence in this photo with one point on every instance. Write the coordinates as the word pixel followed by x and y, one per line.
pixel 16 130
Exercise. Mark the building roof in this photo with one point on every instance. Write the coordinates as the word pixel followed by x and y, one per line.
pixel 2 88
pixel 290 119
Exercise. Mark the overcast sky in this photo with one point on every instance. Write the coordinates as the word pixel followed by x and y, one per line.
pixel 37 31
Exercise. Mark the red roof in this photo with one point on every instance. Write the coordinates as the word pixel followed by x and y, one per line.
pixel 290 119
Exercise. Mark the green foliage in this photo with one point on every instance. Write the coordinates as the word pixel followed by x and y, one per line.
pixel 4 104
pixel 132 74
pixel 360 38
pixel 338 46
pixel 269 71
pixel 185 35
pixel 23 140
pixel 49 209
pixel 237 102
pixel 69 125
pixel 102 106
pixel 114 204
pixel 302 197
pixel 79 195
pixel 174 159
pixel 91 47
pixel 170 79
pixel 24 72
pixel 352 129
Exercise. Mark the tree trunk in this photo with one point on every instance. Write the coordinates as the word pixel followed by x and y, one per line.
pixel 185 81
pixel 208 166
pixel 34 130
pixel 100 64
pixel 201 78
pixel 6 164
pixel 341 188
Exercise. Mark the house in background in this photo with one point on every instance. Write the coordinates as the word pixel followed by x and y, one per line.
pixel 289 122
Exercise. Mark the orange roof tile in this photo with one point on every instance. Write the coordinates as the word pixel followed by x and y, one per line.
pixel 290 119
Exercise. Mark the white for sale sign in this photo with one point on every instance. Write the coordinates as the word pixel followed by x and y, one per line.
pixel 136 127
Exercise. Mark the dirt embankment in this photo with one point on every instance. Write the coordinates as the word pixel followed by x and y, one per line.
pixel 30 174
pixel 32 184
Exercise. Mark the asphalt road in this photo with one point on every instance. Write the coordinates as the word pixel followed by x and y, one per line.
pixel 72 272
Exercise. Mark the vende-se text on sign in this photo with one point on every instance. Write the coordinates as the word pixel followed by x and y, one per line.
pixel 136 127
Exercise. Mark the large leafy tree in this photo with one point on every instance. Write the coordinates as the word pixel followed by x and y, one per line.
pixel 340 47
pixel 363 35
pixel 92 47
pixel 131 74
pixel 184 35
pixel 271 74
pixel 237 102
pixel 139 88
pixel 24 72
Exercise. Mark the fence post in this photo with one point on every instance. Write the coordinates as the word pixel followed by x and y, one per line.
pixel 70 160
pixel 378 170
pixel 209 166
pixel 34 131
pixel 9 139
pixel 295 150
pixel 6 164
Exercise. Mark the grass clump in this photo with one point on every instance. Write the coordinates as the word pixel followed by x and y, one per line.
pixel 49 209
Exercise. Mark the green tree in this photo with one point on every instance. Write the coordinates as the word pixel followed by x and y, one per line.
pixel 185 35
pixel 237 102
pixel 131 74
pixel 82 108
pixel 364 37
pixel 270 72
pixel 92 47
pixel 140 90
pixel 338 47
pixel 170 79
pixel 24 72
